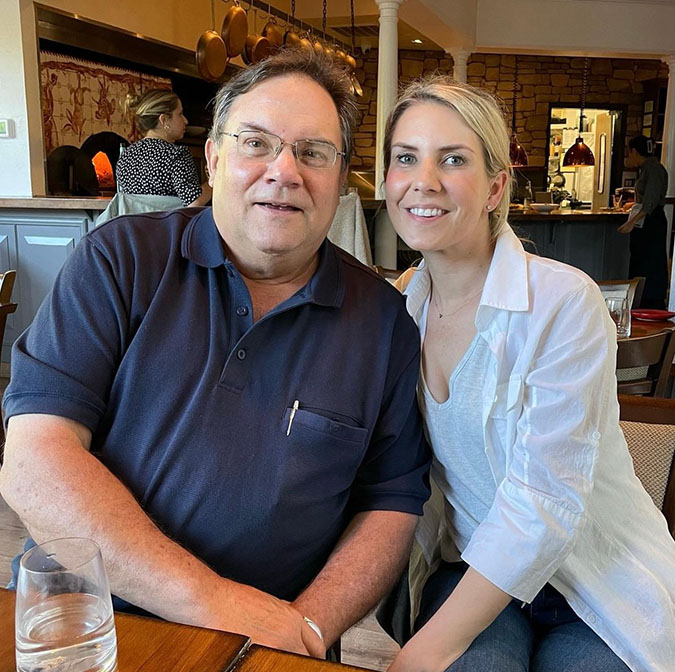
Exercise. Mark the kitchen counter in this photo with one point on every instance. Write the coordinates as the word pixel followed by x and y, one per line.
pixel 569 215
pixel 56 202
pixel 36 237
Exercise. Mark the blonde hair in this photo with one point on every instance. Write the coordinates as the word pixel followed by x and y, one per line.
pixel 150 105
pixel 481 112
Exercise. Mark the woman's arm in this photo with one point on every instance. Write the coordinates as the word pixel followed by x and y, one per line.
pixel 469 609
pixel 205 196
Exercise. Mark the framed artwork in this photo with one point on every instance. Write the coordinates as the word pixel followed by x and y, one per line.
pixel 647 132
pixel 649 106
pixel 647 120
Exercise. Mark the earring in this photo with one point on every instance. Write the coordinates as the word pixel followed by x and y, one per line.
pixel 488 207
pixel 166 128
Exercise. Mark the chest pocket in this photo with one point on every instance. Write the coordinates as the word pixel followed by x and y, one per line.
pixel 322 458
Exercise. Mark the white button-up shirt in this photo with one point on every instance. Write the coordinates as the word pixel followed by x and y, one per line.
pixel 569 509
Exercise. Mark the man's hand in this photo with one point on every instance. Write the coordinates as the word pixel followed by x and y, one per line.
pixel 267 620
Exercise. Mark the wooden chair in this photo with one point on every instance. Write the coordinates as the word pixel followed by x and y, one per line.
pixel 6 307
pixel 653 355
pixel 631 289
pixel 649 427
pixel 390 274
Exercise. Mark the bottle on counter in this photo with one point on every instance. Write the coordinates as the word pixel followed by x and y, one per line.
pixel 528 198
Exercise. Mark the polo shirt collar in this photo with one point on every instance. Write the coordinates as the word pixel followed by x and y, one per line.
pixel 203 245
pixel 202 242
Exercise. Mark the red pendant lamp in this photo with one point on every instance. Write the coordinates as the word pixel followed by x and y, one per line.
pixel 517 153
pixel 580 154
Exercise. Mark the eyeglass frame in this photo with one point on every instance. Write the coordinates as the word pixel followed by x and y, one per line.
pixel 292 145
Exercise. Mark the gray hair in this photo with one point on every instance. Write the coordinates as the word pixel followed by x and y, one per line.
pixel 320 69
pixel 481 112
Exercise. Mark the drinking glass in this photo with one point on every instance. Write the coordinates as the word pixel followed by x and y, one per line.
pixel 64 618
pixel 620 313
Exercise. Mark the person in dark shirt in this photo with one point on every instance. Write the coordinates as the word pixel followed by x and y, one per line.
pixel 648 226
pixel 155 165
pixel 223 399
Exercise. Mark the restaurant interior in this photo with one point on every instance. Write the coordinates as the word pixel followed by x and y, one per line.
pixel 576 78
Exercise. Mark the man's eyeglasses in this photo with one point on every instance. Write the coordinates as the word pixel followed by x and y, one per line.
pixel 267 146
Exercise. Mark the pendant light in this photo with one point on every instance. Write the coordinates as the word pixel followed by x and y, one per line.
pixel 580 154
pixel 517 152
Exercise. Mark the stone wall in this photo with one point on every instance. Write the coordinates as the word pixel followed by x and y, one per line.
pixel 541 80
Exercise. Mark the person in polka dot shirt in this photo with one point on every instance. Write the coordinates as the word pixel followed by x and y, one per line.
pixel 156 165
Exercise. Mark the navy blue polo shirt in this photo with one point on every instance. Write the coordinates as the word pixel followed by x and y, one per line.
pixel 148 339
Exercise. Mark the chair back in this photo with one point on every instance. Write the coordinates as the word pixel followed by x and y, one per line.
pixel 653 355
pixel 7 280
pixel 649 427
pixel 628 289
pixel 390 274
pixel 6 307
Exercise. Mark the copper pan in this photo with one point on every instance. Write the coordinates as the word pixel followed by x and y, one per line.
pixel 234 29
pixel 211 54
pixel 306 44
pixel 318 47
pixel 273 33
pixel 291 38
pixel 356 85
pixel 256 47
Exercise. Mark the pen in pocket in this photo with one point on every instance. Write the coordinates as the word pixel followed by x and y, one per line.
pixel 296 405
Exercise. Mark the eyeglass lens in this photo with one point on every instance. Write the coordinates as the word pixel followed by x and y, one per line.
pixel 311 153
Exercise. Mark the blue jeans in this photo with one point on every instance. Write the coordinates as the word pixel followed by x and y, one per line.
pixel 545 636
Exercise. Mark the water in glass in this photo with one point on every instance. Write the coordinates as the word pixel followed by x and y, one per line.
pixel 64 617
pixel 619 310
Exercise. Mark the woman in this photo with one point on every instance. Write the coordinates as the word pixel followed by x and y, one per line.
pixel 155 165
pixel 539 549
pixel 648 226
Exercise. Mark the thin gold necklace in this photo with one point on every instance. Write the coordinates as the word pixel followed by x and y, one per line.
pixel 456 310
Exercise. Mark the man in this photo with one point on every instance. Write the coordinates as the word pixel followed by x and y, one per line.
pixel 223 400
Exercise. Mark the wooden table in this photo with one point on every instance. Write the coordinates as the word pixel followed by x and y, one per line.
pixel 639 328
pixel 152 645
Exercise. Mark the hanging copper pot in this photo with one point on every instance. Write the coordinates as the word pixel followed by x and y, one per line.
pixel 256 47
pixel 351 62
pixel 234 29
pixel 211 53
pixel 291 38
pixel 306 44
pixel 356 85
pixel 318 47
pixel 273 33
pixel 341 57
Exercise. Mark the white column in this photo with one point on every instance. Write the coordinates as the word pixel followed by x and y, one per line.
pixel 21 154
pixel 460 58
pixel 668 156
pixel 387 89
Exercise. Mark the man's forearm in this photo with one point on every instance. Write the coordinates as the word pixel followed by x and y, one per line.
pixel 59 489
pixel 369 557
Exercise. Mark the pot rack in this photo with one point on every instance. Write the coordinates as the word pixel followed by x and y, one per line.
pixel 287 18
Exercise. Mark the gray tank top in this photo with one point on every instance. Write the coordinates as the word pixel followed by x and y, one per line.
pixel 455 431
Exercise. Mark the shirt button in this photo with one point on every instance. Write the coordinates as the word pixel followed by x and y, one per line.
pixel 241 354
pixel 591 618
pixel 242 310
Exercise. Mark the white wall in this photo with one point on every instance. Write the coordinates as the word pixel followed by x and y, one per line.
pixel 599 27
pixel 20 102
